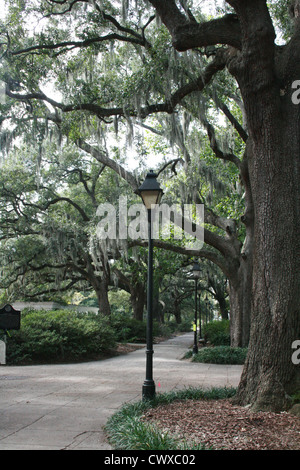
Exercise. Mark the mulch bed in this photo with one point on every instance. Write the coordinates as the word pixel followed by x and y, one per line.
pixel 221 425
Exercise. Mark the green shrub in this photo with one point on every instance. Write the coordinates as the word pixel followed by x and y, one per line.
pixel 221 355
pixel 51 336
pixel 184 327
pixel 130 330
pixel 217 332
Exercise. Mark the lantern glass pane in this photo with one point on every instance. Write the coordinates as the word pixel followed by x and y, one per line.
pixel 149 198
pixel 196 274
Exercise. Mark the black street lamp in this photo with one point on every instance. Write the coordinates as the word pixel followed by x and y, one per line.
pixel 196 271
pixel 151 194
pixel 200 319
pixel 207 309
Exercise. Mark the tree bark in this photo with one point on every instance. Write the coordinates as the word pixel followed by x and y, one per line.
pixel 138 300
pixel 265 76
pixel 102 295
pixel 223 307
pixel 240 306
pixel 269 375
pixel 177 311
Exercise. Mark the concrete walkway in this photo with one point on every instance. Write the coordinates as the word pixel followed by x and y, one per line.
pixel 54 407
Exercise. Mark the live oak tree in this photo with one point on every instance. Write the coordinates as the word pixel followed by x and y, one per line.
pixel 47 231
pixel 154 72
pixel 265 74
pixel 45 223
pixel 264 270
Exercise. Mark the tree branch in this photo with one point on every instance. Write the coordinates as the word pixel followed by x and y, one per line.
pixel 225 30
pixel 187 34
pixel 74 44
pixel 103 158
pixel 54 289
pixel 214 145
pixel 238 127
pixel 256 23
pixel 66 199
pixel 203 253
pixel 168 106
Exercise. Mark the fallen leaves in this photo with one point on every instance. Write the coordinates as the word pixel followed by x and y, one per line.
pixel 221 425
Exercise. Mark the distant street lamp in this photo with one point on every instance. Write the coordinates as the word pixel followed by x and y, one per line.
pixel 200 319
pixel 151 194
pixel 196 271
pixel 207 308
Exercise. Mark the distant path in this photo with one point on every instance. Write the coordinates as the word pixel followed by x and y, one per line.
pixel 66 406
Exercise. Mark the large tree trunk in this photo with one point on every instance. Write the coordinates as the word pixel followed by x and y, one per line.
pixel 223 307
pixel 138 300
pixel 240 283
pixel 177 311
pixel 240 307
pixel 269 374
pixel 265 74
pixel 102 295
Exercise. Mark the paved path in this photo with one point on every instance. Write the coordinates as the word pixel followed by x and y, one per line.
pixel 54 407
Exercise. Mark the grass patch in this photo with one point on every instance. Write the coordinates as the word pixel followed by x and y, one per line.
pixel 126 430
pixel 219 355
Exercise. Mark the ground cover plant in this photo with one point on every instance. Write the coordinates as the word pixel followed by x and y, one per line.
pixel 195 419
pixel 127 430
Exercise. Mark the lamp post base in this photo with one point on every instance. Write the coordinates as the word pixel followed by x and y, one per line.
pixel 148 391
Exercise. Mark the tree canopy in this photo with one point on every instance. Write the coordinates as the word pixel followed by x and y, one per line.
pixel 121 82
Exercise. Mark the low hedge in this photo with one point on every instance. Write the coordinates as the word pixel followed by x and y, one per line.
pixel 60 335
pixel 220 355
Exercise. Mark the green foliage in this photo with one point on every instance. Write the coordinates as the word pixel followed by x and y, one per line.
pixel 221 355
pixel 135 434
pixel 217 332
pixel 296 397
pixel 279 10
pixel 184 326
pixel 126 430
pixel 130 330
pixel 62 335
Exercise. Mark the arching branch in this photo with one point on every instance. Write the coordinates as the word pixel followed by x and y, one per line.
pixel 103 158
pixel 187 34
pixel 217 64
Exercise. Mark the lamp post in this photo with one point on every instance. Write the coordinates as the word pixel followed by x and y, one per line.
pixel 207 309
pixel 151 194
pixel 200 322
pixel 196 275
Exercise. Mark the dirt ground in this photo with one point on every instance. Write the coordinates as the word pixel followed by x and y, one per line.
pixel 221 425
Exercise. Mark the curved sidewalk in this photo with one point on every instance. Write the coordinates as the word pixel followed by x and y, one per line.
pixel 52 407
